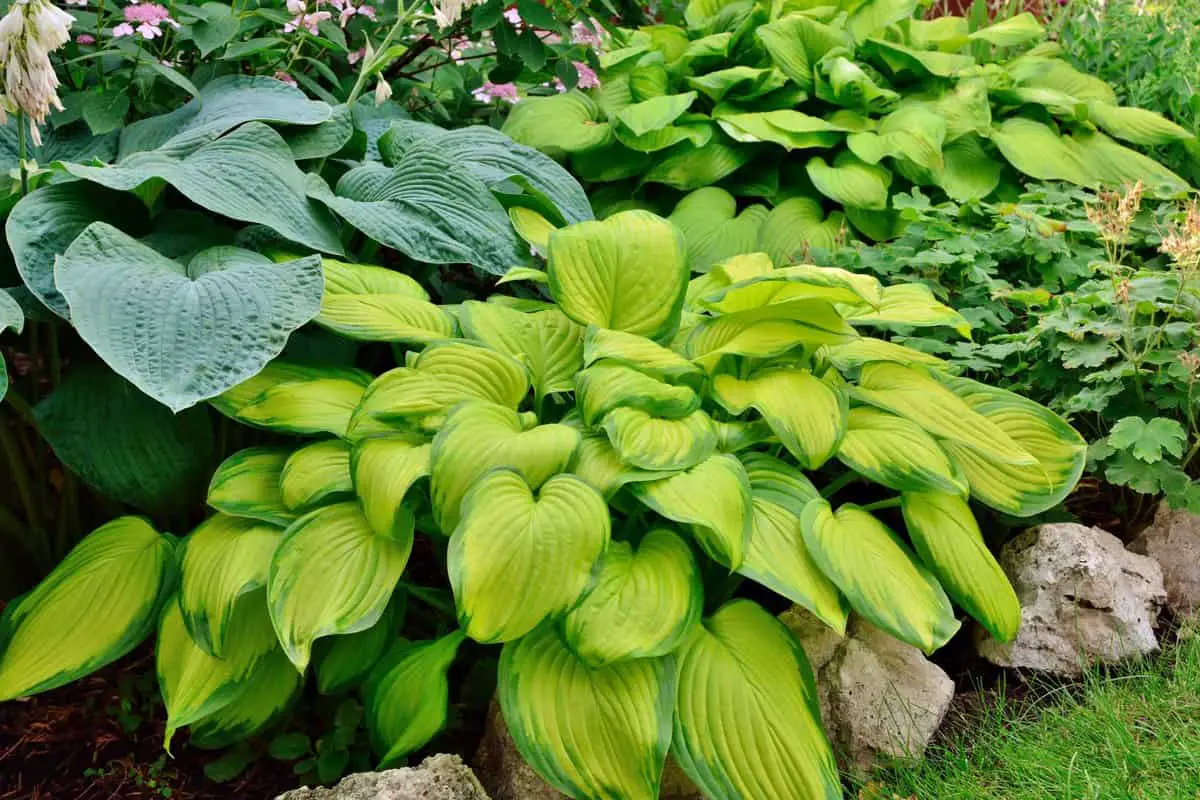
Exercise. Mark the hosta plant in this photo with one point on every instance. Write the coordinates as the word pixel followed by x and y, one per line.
pixel 608 472
pixel 816 114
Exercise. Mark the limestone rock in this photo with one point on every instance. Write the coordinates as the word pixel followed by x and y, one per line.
pixel 440 777
pixel 1084 598
pixel 1173 540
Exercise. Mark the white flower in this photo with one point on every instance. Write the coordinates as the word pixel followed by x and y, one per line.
pixel 383 91
pixel 29 32
pixel 448 12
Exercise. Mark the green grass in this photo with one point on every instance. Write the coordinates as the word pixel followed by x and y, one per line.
pixel 1130 734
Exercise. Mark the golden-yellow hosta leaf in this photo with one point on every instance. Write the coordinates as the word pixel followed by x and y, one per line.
pixel 247 484
pixel 897 453
pixel 647 442
pixel 384 469
pixel 316 474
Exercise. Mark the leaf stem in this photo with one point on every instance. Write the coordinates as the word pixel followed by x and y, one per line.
pixel 372 65
pixel 891 502
pixel 838 483
pixel 23 151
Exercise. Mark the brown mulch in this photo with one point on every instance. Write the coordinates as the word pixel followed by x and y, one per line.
pixel 70 744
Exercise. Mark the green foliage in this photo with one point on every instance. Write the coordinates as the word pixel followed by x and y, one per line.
pixel 600 460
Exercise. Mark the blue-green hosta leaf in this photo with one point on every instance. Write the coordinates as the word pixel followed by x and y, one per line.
pixel 1135 125
pixel 407 704
pixel 223 559
pixel 628 272
pixel 643 604
pixel 644 355
pixel 768 331
pixel 850 181
pixel 712 227
pixel 247 175
pixel 776 555
pixel 480 436
pixel 183 333
pixel 277 373
pixel 807 414
pixel 429 207
pixel 384 468
pixel 321 402
pixel 554 703
pixel 909 305
pixel 912 394
pixel 247 484
pixel 11 317
pixel 558 124
pixel 877 573
pixel 713 499
pixel 795 227
pixel 607 385
pixel 548 342
pixel 646 442
pixel 516 559
pixel 897 453
pixel 315 475
pixel 332 574
pixel 99 603
pixel 260 699
pixel 1021 491
pixel 1012 32
pixel 796 42
pixel 687 166
pixel 124 444
pixel 747 723
pixel 193 682
pixel 344 661
pixel 324 139
pixel 947 537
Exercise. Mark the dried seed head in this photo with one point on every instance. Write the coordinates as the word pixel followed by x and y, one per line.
pixel 1182 243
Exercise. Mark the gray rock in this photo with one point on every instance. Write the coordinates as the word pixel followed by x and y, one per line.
pixel 881 699
pixel 1173 540
pixel 1084 599
pixel 440 777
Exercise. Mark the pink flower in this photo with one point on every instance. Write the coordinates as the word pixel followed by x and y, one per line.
pixel 587 76
pixel 496 91
pixel 85 38
pixel 583 33
pixel 513 16
pixel 149 16
pixel 308 22
pixel 347 9
pixel 124 29
pixel 280 75
pixel 559 86
pixel 355 56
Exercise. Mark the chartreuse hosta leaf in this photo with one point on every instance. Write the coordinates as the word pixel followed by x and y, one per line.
pixel 799 282
pixel 224 558
pixel 547 342
pixel 1019 490
pixel 247 485
pixel 1017 30
pixel 559 124
pixel 747 723
pixel 379 304
pixel 555 704
pixel 897 453
pixel 331 575
pixel 358 279
pixel 911 305
pixel 878 574
pixel 1135 125
pixel 406 706
pixel 316 474
pixel 712 227
pixel 647 357
pixel 262 698
pixel 517 558
pixel 850 181
pixel 607 385
pixel 643 604
pixel 383 470
pixel 768 331
pixel 193 682
pixel 776 555
pixel 598 463
pixel 96 606
pixel 798 225
pixel 807 414
pixel 532 227
pixel 280 372
pixel 628 272
pixel 317 405
pixel 947 537
pixel 713 498
pixel 912 394
pixel 857 352
pixel 647 442
pixel 343 661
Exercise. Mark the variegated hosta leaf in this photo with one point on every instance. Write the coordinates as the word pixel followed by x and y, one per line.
pixel 652 443
pixel 643 604
pixel 737 435
pixel 1019 490
pixel 776 555
pixel 321 405
pixel 194 683
pixel 897 453
pixel 99 603
pixel 878 574
pixel 383 470
pixel 598 463
pixel 607 385
pixel 807 414
pixel 549 344
pixel 332 575
pixel 627 272
pixel 857 352
pixel 343 661
pixel 223 558
pixel 360 279
pixel 439 378
pixel 480 436
pixel 769 331
pixel 316 474
pixel 516 559
pixel 713 498
pixel 279 372
pixel 947 537
pixel 647 357
pixel 247 484
pixel 532 227
pixel 798 282
pixel 747 723
pixel 260 700
pixel 912 394
pixel 554 705
pixel 910 305
pixel 407 704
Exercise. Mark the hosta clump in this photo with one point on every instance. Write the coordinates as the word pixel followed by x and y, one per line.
pixel 595 466
pixel 826 110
